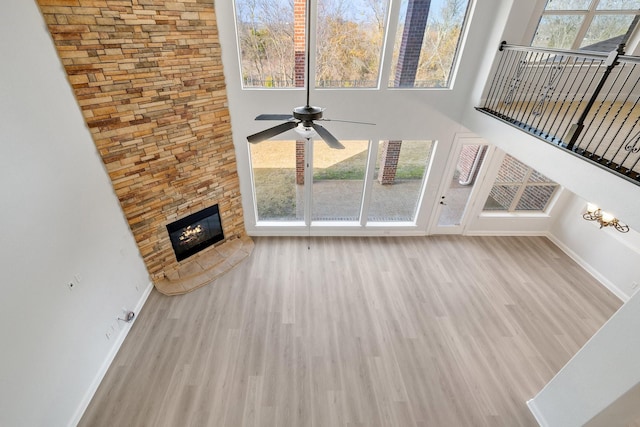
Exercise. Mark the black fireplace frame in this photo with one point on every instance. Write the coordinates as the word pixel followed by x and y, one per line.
pixel 189 220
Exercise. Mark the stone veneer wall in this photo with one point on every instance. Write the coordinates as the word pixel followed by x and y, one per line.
pixel 148 77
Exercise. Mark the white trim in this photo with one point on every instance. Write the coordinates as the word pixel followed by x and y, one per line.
pixel 385 229
pixel 589 14
pixel 84 403
pixel 595 273
pixel 489 233
pixel 536 413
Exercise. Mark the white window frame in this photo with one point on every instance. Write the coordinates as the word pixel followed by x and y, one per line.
pixel 521 189
pixel 589 14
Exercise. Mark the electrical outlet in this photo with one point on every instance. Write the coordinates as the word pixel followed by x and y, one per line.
pixel 111 331
pixel 77 278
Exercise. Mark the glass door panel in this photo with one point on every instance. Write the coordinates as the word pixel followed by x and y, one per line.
pixel 456 198
pixel 278 197
pixel 338 180
pixel 399 174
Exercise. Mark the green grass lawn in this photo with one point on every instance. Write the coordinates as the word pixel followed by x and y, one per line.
pixel 275 187
pixel 275 193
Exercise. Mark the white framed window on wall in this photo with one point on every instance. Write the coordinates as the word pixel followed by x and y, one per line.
pixel 519 188
pixel 350 42
pixel 595 25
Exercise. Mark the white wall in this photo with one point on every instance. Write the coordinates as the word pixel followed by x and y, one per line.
pixel 598 385
pixel 59 218
pixel 612 257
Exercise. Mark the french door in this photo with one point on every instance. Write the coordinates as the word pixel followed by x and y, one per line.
pixel 458 190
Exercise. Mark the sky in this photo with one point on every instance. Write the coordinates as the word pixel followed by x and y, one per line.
pixel 353 6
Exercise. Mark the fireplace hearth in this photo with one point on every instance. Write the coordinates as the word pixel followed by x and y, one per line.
pixel 195 232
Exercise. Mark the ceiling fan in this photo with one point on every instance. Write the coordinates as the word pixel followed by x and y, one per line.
pixel 302 118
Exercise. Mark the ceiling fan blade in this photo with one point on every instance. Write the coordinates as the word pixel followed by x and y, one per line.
pixel 327 137
pixel 347 121
pixel 274 117
pixel 271 132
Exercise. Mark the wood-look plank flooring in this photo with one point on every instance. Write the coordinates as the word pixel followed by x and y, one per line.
pixel 437 331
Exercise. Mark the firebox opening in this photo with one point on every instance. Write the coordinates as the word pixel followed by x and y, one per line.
pixel 195 232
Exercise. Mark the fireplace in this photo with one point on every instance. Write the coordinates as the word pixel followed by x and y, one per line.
pixel 195 232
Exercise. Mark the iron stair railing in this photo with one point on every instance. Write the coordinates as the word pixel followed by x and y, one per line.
pixel 584 102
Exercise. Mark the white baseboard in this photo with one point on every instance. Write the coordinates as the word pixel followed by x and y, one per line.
pixel 536 413
pixel 77 416
pixel 596 274
pixel 504 233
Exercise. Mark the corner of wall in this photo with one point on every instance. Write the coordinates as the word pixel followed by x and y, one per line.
pixel 585 265
pixel 536 413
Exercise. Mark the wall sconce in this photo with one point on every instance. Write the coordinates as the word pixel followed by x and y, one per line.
pixel 605 219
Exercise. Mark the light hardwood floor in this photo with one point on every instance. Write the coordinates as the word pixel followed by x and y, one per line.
pixel 439 331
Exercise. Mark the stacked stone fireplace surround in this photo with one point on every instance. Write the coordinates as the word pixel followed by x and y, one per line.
pixel 148 77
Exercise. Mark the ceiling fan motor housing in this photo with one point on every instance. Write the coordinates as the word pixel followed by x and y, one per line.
pixel 307 114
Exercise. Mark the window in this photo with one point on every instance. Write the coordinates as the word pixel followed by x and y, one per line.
pixel 427 42
pixel 337 188
pixel 399 174
pixel 349 42
pixel 265 39
pixel 519 188
pixel 598 25
pixel 277 196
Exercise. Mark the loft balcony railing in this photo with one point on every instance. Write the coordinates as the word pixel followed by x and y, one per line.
pixel 584 102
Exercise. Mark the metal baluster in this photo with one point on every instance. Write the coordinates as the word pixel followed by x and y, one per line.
pixel 611 62
pixel 513 63
pixel 515 82
pixel 539 76
pixel 560 92
pixel 491 95
pixel 546 93
pixel 634 149
pixel 521 93
pixel 507 59
pixel 567 107
pixel 630 145
pixel 605 117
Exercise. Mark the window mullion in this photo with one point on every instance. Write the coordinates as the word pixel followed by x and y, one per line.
pixel 520 192
pixel 586 23
pixel 368 181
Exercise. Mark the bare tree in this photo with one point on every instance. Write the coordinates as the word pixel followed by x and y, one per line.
pixel 265 35
pixel 348 41
pixel 440 42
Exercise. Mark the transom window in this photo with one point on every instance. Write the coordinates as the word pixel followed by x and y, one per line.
pixel 265 39
pixel 441 27
pixel 349 42
pixel 596 25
